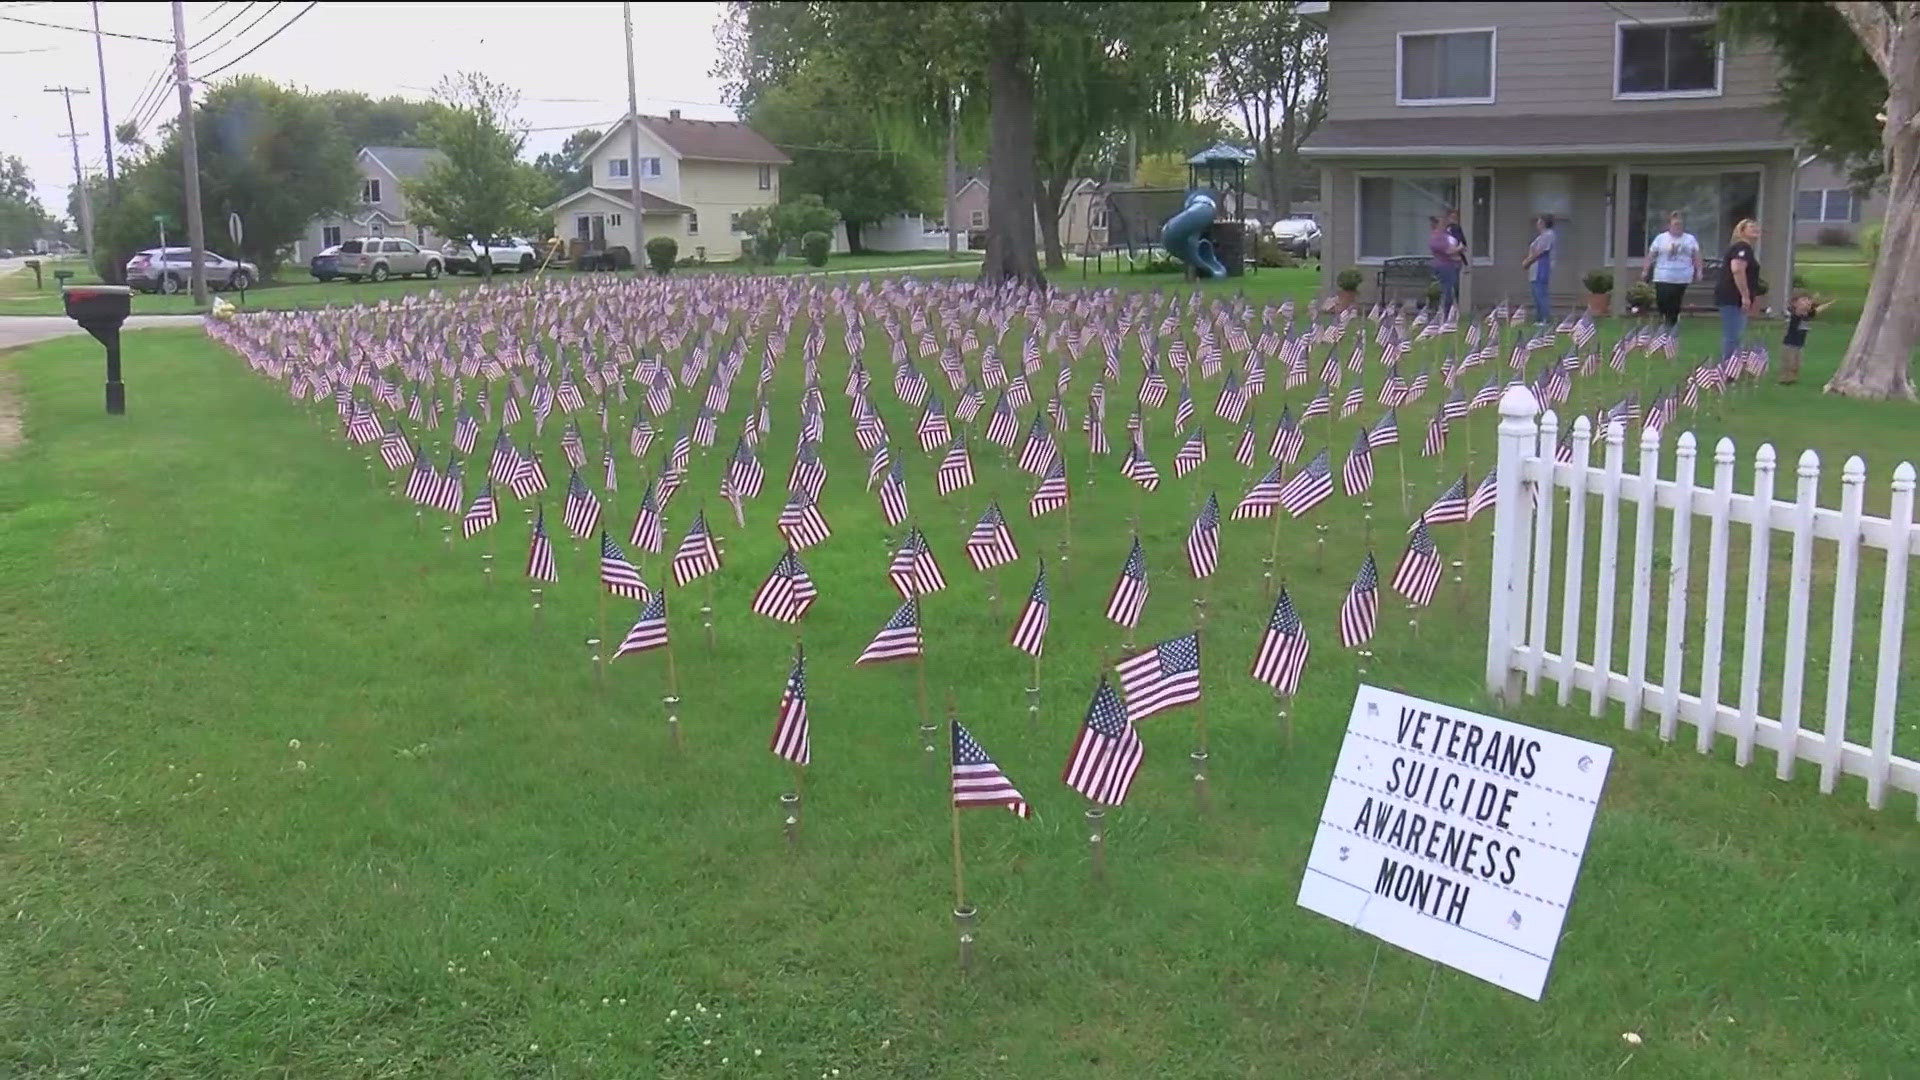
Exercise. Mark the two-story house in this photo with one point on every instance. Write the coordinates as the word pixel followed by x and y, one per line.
pixel 696 178
pixel 380 208
pixel 1606 116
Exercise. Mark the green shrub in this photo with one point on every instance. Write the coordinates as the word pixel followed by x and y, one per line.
pixel 1598 282
pixel 661 251
pixel 1834 236
pixel 1640 296
pixel 814 247
pixel 1349 280
pixel 1268 252
pixel 1870 242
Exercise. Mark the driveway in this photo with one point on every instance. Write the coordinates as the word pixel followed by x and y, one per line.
pixel 17 330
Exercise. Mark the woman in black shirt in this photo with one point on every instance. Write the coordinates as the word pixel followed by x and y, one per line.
pixel 1737 291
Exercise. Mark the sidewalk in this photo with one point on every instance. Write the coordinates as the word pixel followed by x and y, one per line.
pixel 18 330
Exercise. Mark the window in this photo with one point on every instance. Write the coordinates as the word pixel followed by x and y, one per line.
pixel 613 221
pixel 617 169
pixel 404 247
pixel 1712 202
pixel 693 224
pixel 1452 68
pixel 1829 204
pixel 979 219
pixel 649 166
pixel 583 226
pixel 1666 60
pixel 1393 212
pixel 733 222
pixel 370 189
pixel 1807 206
pixel 766 178
pixel 1097 218
pixel 329 236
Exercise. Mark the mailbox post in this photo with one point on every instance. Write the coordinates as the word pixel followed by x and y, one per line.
pixel 100 309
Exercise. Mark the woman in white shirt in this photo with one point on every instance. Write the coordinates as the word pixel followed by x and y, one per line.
pixel 1673 263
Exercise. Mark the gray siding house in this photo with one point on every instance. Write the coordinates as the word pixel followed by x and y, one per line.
pixel 380 207
pixel 1607 116
pixel 1829 204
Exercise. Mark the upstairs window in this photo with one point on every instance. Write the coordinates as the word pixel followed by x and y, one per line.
pixel 1667 60
pixel 649 166
pixel 617 169
pixel 766 178
pixel 370 190
pixel 1454 67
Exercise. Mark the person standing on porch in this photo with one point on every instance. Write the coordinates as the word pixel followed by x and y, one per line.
pixel 1737 292
pixel 1673 263
pixel 1540 261
pixel 1446 262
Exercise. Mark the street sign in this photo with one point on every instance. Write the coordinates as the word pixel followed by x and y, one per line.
pixel 1455 835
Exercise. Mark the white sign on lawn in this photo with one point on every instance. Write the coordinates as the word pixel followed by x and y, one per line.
pixel 1455 835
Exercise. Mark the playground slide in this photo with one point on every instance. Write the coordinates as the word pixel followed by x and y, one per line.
pixel 1183 239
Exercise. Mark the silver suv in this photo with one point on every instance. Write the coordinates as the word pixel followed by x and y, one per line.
pixel 381 257
pixel 168 270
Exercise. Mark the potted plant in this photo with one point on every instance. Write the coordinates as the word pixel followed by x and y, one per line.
pixel 1348 283
pixel 661 252
pixel 1640 298
pixel 1599 285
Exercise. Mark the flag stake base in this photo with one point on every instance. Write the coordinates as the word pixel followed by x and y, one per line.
pixel 790 815
pixel 1200 793
pixel 486 569
pixel 963 920
pixel 1366 658
pixel 706 623
pixel 929 745
pixel 537 593
pixel 599 665
pixel 1285 719
pixel 1097 842
pixel 1320 548
pixel 672 703
pixel 446 536
pixel 1033 708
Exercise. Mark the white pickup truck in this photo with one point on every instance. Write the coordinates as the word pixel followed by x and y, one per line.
pixel 505 252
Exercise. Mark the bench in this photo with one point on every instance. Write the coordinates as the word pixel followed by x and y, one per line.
pixel 1414 272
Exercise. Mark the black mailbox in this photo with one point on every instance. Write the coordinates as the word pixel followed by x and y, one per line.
pixel 100 309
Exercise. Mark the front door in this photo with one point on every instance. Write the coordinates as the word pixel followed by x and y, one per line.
pixel 591 230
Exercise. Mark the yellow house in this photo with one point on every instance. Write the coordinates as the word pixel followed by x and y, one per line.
pixel 696 178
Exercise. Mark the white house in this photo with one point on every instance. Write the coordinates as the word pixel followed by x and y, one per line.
pixel 380 207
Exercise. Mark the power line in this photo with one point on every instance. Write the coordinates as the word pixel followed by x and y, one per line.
pixel 240 33
pixel 230 21
pixel 283 29
pixel 79 29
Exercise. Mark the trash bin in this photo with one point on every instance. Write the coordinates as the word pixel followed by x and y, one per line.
pixel 1229 245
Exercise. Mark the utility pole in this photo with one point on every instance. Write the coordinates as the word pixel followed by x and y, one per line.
pixel 953 176
pixel 190 158
pixel 79 178
pixel 633 149
pixel 106 125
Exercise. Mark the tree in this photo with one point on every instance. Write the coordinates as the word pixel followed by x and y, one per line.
pixel 273 155
pixel 1850 80
pixel 801 214
pixel 1269 68
pixel 567 170
pixel 387 121
pixel 1162 171
pixel 480 187
pixel 22 219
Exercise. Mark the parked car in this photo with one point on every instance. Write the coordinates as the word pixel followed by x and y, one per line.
pixel 381 257
pixel 505 252
pixel 169 270
pixel 1298 236
pixel 326 265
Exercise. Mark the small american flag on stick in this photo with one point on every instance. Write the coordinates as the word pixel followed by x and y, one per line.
pixel 1129 595
pixel 617 574
pixel 540 565
pixel 649 630
pixel 1162 677
pixel 800 522
pixel 1282 655
pixel 1309 487
pixel 1030 630
pixel 582 509
pixel 1052 493
pixel 1107 754
pixel 1362 604
pixel 956 469
pixel 991 543
pixel 1418 574
pixel 788 591
pixel 898 639
pixel 482 513
pixel 696 556
pixel 790 726
pixel 1203 541
pixel 914 572
pixel 977 781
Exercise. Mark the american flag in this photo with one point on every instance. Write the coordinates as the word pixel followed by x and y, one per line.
pixel 1183 411
pixel 933 428
pixel 1232 403
pixel 1451 506
pixel 1260 499
pixel 1282 655
pixel 1051 494
pixel 1455 407
pixel 1288 440
pixel 1138 469
pixel 1002 429
pixel 678 456
pixel 1129 596
pixel 893 495
pixel 914 571
pixel 649 630
pixel 640 435
pixel 706 427
pixel 1309 487
pixel 696 556
pixel 582 509
pixel 1107 754
pixel 648 529
pixel 790 727
pixel 1436 441
pixel 744 471
pixel 1484 495
pixel 808 474
pixel 1162 677
pixel 800 521
pixel 482 514
pixel 1203 541
pixel 529 478
pixel 1355 400
pixel 969 405
pixel 465 431
pixel 1418 574
pixel 1030 630
pixel 991 544
pixel 1191 454
pixel 1385 431
pixel 1039 450
pixel 395 451
pixel 956 469
pixel 1153 388
pixel 898 639
pixel 1245 447
pixel 869 430
pixel 617 574
pixel 540 565
pixel 878 465
pixel 572 446
pixel 1019 395
pixel 1356 476
pixel 423 481
pixel 1357 611
pixel 788 591
pixel 977 781
pixel 1321 405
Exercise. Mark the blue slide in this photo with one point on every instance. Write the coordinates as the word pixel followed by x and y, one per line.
pixel 1183 239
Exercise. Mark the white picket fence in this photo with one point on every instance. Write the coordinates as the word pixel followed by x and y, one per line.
pixel 1520 626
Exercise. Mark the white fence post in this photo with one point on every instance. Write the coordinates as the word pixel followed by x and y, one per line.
pixel 1893 616
pixel 1680 560
pixel 1643 514
pixel 1799 583
pixel 1609 567
pixel 1508 583
pixel 1759 556
pixel 1846 574
pixel 1716 595
pixel 1545 455
pixel 1575 575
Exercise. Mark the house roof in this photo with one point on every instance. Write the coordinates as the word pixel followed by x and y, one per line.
pixel 1221 151
pixel 652 204
pixel 404 162
pixel 703 140
pixel 1677 131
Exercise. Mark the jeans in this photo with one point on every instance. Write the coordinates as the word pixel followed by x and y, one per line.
pixel 1540 304
pixel 1733 323
pixel 1449 276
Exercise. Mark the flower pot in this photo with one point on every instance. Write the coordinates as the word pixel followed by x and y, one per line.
pixel 1347 298
pixel 1597 303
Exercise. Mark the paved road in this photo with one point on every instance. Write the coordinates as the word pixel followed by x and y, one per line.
pixel 18 330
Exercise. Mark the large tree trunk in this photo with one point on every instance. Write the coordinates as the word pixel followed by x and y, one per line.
pixel 854 246
pixel 1046 209
pixel 1011 255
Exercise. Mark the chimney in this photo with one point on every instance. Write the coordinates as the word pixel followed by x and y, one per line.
pixel 673 114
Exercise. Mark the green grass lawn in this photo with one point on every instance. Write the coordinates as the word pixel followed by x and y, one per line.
pixel 288 789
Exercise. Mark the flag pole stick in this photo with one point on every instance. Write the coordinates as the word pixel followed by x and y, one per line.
pixel 1400 447
pixel 1033 697
pixel 1273 552
pixel 672 700
pixel 1199 755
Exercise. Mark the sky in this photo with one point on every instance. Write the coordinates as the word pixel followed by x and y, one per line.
pixel 567 60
